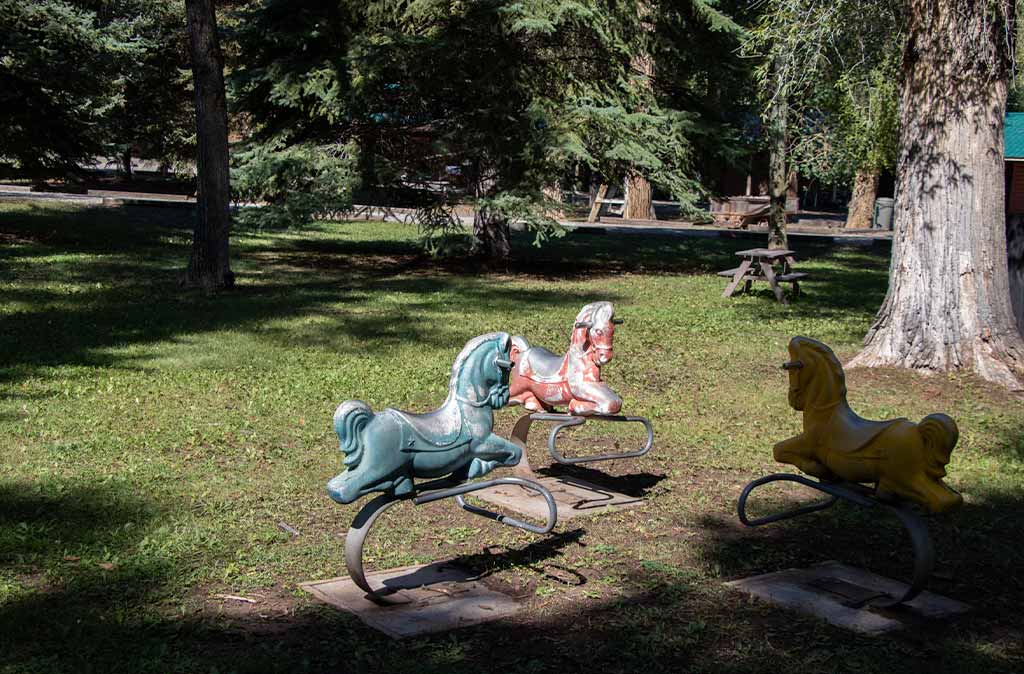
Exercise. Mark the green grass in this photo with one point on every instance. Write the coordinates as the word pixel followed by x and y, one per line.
pixel 154 438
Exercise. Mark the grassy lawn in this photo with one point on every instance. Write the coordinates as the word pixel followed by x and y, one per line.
pixel 153 439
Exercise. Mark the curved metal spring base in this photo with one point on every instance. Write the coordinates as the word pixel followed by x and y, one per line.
pixel 924 552
pixel 522 429
pixel 428 493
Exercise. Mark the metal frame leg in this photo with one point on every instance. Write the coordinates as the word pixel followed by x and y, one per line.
pixel 355 539
pixel 924 551
pixel 522 430
pixel 430 492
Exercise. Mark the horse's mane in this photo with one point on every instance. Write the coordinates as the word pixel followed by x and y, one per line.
pixel 824 357
pixel 598 313
pixel 471 346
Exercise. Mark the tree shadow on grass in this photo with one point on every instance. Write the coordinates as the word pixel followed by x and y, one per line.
pixel 670 251
pixel 662 617
pixel 128 292
pixel 582 254
pixel 36 518
pixel 81 334
pixel 114 621
pixel 69 556
pixel 977 549
pixel 843 278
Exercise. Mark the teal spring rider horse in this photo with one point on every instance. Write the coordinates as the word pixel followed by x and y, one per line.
pixel 386 451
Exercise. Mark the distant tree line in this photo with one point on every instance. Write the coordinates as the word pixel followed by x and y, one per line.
pixel 516 99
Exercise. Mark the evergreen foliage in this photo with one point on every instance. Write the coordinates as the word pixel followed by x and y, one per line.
pixel 154 117
pixel 296 183
pixel 86 78
pixel 58 82
pixel 505 97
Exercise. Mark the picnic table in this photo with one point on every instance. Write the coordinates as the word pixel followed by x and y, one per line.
pixel 759 265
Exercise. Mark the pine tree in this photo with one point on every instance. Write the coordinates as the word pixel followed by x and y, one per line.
pixel 60 66
pixel 154 115
pixel 507 95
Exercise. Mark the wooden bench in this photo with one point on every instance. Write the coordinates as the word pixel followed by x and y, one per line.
pixel 791 276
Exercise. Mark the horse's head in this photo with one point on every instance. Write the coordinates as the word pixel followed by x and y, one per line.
pixel 481 371
pixel 594 331
pixel 816 377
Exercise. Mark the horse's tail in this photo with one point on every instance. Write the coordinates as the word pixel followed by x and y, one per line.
pixel 939 434
pixel 350 419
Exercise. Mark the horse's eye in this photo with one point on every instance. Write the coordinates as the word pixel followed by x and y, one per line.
pixel 599 332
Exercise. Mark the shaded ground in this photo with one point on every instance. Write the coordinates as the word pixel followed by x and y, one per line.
pixel 154 440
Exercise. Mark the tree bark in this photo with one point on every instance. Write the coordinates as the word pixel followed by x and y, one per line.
pixel 639 196
pixel 639 199
pixel 948 305
pixel 862 201
pixel 778 176
pixel 492 238
pixel 209 266
pixel 553 192
pixel 126 164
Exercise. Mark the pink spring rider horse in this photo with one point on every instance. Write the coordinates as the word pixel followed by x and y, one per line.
pixel 542 380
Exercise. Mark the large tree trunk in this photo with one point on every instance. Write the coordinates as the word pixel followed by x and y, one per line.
pixel 862 202
pixel 126 164
pixel 778 176
pixel 553 192
pixel 209 267
pixel 639 199
pixel 492 238
pixel 948 305
pixel 639 204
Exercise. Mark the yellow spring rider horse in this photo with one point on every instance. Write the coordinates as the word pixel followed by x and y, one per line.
pixel 904 459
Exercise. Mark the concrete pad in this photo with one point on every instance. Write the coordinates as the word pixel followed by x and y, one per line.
pixel 437 597
pixel 573 496
pixel 828 590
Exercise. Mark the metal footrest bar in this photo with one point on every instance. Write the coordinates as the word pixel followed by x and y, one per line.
pixel 428 493
pixel 924 551
pixel 562 421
